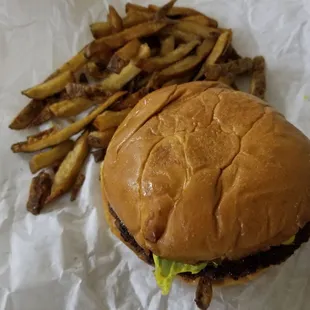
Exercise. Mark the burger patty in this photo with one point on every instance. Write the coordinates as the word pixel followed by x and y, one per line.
pixel 234 269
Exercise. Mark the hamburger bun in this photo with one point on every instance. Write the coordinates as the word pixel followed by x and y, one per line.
pixel 198 172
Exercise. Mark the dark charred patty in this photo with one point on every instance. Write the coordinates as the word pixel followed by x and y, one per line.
pixel 227 269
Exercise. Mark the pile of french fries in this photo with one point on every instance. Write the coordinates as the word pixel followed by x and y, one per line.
pixel 151 47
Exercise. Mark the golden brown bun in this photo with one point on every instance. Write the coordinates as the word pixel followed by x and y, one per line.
pixel 199 171
pixel 225 282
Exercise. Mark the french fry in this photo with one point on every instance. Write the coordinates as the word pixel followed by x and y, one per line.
pixel 203 293
pixel 219 48
pixel 50 87
pixel 100 51
pixel 116 81
pixel 99 155
pixel 122 57
pixel 27 114
pixel 70 168
pixel 130 101
pixel 197 29
pixel 77 186
pixel 179 35
pixel 201 20
pixel 48 158
pixel 67 132
pixel 44 116
pixel 39 190
pixel 228 78
pixel 73 65
pixel 41 135
pixel 236 67
pixel 258 81
pixel 110 119
pixel 131 7
pixel 71 107
pixel 158 63
pixel 115 20
pixel 187 64
pixel 101 139
pixel 133 18
pixel 167 45
pixel 163 11
pixel 181 11
pixel 141 30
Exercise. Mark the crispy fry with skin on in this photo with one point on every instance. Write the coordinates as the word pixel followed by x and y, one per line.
pixel 99 155
pixel 179 35
pixel 122 57
pixel 158 63
pixel 203 293
pixel 70 168
pixel 141 30
pixel 200 19
pixel 50 157
pixel 258 81
pixel 167 45
pixel 116 81
pixel 39 190
pixel 163 11
pixel 187 64
pixel 115 20
pixel 236 67
pixel 70 107
pixel 68 131
pixel 27 114
pixel 181 11
pixel 219 48
pixel 44 116
pixel 77 186
pixel 197 29
pixel 50 87
pixel 42 134
pixel 101 139
pixel 110 119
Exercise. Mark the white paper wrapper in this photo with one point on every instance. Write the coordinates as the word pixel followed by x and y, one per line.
pixel 66 258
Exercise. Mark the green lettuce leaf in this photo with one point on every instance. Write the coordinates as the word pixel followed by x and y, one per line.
pixel 166 271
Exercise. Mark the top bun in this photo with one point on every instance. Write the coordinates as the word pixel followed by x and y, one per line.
pixel 199 171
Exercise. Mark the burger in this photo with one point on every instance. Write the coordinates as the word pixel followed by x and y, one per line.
pixel 208 184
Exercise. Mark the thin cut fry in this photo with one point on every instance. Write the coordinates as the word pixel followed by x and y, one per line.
pixel 115 20
pixel 236 67
pixel 119 39
pixel 27 114
pixel 116 81
pixel 122 57
pixel 197 29
pixel 110 119
pixel 99 155
pixel 258 82
pixel 39 190
pixel 158 63
pixel 67 132
pixel 101 139
pixel 42 134
pixel 69 168
pixel 77 186
pixel 50 87
pixel 72 107
pixel 48 158
pixel 219 48
pixel 187 64
pixel 167 45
